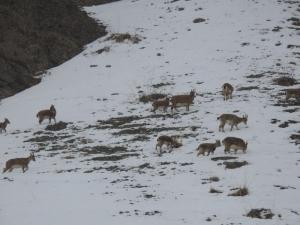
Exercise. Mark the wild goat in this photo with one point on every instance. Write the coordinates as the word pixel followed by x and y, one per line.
pixel 232 120
pixel 292 93
pixel 234 143
pixel 3 125
pixel 227 90
pixel 186 100
pixel 161 103
pixel 47 114
pixel 18 163
pixel 169 141
pixel 208 147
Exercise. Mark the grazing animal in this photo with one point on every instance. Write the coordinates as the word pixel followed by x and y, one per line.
pixel 47 114
pixel 227 90
pixel 232 120
pixel 208 147
pixel 169 141
pixel 292 93
pixel 234 143
pixel 3 125
pixel 161 103
pixel 186 100
pixel 18 163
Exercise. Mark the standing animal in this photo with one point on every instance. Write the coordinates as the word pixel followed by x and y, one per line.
pixel 18 163
pixel 169 141
pixel 232 120
pixel 186 100
pixel 292 93
pixel 161 103
pixel 227 90
pixel 3 125
pixel 234 143
pixel 47 114
pixel 208 147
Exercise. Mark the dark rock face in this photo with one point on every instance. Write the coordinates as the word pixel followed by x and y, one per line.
pixel 36 35
pixel 94 2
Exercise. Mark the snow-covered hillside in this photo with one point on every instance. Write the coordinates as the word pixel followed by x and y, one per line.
pixel 101 170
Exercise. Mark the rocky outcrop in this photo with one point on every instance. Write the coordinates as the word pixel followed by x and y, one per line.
pixel 94 2
pixel 36 35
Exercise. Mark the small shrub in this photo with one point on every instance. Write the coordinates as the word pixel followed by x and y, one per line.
pixel 213 190
pixel 198 20
pixel 240 192
pixel 223 158
pixel 260 213
pixel 285 81
pixel 151 97
pixel 249 88
pixel 214 179
pixel 57 126
pixel 161 85
pixel 234 165
pixel 122 37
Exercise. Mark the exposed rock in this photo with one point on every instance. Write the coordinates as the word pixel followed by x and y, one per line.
pixel 234 165
pixel 223 158
pixel 151 97
pixel 198 20
pixel 247 88
pixel 122 37
pixel 37 35
pixel 260 213
pixel 285 81
pixel 57 126
pixel 94 2
pixel 239 192
pixel 114 157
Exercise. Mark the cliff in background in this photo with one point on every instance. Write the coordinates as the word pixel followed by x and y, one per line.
pixel 36 35
pixel 93 2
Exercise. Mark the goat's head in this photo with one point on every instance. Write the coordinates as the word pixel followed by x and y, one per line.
pixel 32 157
pixel 193 93
pixel 52 109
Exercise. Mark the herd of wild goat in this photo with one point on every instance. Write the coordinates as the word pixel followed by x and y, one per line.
pixel 23 162
pixel 170 142
pixel 232 120
pixel 209 148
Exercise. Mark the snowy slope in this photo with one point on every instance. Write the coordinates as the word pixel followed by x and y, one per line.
pixel 75 180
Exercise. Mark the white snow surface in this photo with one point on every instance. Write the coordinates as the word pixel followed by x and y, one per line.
pixel 65 186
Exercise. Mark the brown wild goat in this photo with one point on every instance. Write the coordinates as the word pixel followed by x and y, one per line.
pixel 161 103
pixel 47 114
pixel 232 120
pixel 227 90
pixel 169 141
pixel 208 147
pixel 292 93
pixel 186 100
pixel 18 163
pixel 3 125
pixel 234 143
